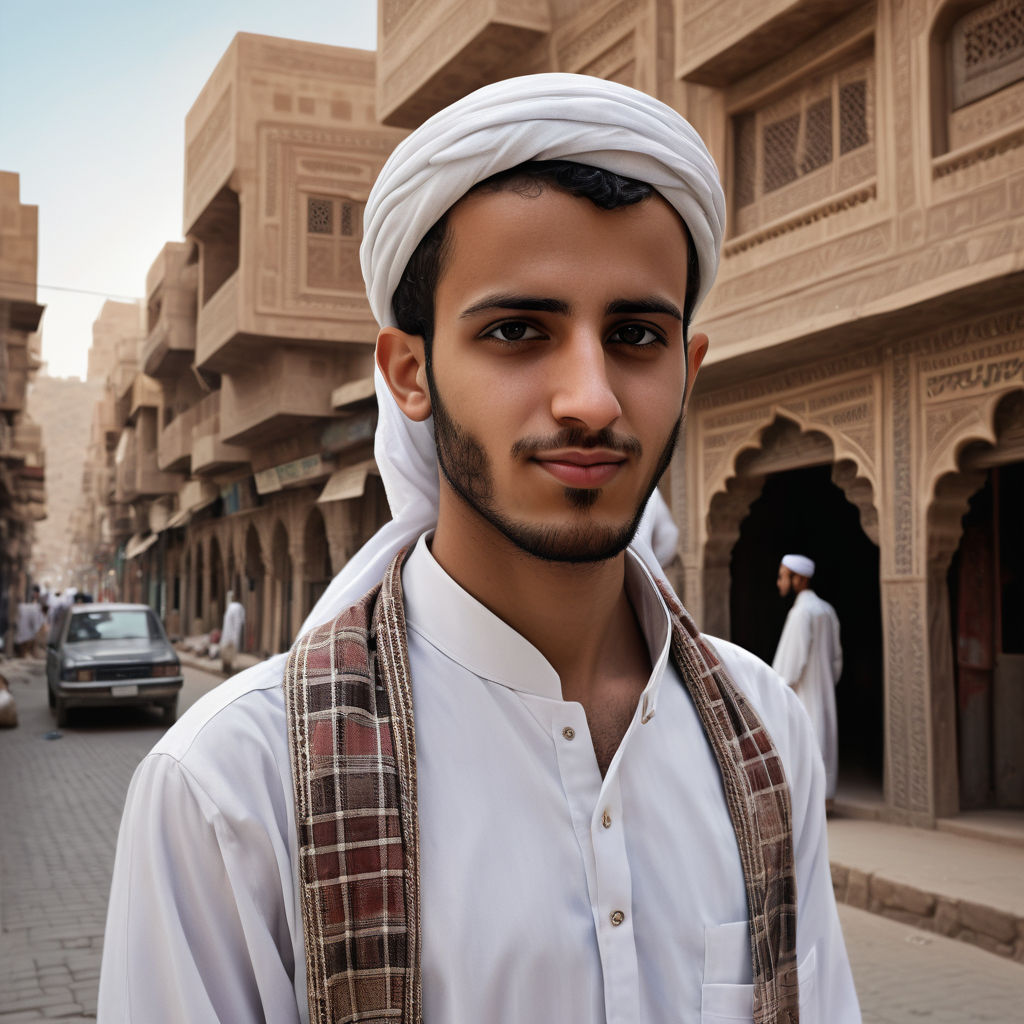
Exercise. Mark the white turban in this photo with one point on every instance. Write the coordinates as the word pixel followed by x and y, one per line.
pixel 800 564
pixel 537 117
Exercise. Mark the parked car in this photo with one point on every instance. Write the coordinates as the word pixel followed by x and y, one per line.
pixel 111 654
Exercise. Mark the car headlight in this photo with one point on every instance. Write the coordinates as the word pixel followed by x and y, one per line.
pixel 166 670
pixel 80 675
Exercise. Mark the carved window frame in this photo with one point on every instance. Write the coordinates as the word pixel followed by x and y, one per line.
pixel 791 108
pixel 331 232
pixel 972 108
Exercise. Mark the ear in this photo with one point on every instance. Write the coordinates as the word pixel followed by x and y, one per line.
pixel 697 349
pixel 401 359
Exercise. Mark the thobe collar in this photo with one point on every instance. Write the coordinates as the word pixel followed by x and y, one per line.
pixel 458 625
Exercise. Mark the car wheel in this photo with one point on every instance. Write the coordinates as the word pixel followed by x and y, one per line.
pixel 62 713
pixel 170 711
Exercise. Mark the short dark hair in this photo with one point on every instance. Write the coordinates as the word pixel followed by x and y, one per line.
pixel 413 301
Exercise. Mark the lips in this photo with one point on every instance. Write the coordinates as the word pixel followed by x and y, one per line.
pixel 590 468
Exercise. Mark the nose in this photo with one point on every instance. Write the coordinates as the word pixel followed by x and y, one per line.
pixel 582 391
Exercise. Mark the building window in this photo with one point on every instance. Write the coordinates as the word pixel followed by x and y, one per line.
pixel 987 51
pixel 804 145
pixel 332 243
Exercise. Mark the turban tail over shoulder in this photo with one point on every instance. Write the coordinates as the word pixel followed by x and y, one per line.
pixel 536 117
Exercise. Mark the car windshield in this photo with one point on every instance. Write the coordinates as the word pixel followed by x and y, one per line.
pixel 112 625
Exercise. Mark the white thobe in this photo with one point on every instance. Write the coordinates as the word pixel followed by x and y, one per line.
pixel 810 659
pixel 30 621
pixel 526 852
pixel 234 623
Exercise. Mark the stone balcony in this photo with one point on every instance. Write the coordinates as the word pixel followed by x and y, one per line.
pixel 454 48
pixel 218 331
pixel 137 472
pixel 171 290
pixel 169 348
pixel 289 389
pixel 107 428
pixel 145 394
pixel 210 454
pixel 174 447
pixel 720 41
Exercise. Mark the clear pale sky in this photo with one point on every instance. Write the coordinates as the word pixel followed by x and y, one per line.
pixel 93 98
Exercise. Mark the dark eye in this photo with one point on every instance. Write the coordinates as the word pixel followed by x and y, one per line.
pixel 636 336
pixel 511 331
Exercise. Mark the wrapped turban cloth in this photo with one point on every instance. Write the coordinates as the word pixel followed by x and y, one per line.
pixel 800 564
pixel 537 117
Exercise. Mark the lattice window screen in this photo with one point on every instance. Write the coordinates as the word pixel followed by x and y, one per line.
pixel 804 145
pixel 987 50
pixel 332 243
pixel 853 116
pixel 320 216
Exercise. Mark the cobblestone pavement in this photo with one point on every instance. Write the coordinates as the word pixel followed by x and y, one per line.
pixel 61 801
pixel 905 975
pixel 60 805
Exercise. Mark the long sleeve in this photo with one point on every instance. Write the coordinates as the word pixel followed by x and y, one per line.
pixel 837 649
pixel 196 927
pixel 833 997
pixel 794 646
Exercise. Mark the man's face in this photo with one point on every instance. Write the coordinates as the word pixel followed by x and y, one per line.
pixel 558 366
pixel 784 581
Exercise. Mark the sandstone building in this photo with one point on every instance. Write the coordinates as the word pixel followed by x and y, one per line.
pixel 862 400
pixel 63 408
pixel 22 500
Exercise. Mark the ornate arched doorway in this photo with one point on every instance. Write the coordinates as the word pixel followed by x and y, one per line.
pixel 976 558
pixel 316 559
pixel 790 495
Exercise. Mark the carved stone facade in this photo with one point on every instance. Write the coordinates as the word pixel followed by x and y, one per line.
pixel 866 326
pixel 22 458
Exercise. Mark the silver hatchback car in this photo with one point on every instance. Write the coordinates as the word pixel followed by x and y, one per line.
pixel 111 654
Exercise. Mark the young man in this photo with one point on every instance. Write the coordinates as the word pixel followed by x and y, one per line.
pixel 505 779
pixel 810 658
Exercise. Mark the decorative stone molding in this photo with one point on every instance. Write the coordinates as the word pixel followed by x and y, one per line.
pixel 847 201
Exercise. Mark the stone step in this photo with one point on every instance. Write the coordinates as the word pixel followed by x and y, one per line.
pixel 959 885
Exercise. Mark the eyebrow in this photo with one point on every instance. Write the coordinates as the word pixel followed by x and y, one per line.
pixel 534 303
pixel 661 306
pixel 538 304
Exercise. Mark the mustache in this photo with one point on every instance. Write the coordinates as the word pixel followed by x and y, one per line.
pixel 578 437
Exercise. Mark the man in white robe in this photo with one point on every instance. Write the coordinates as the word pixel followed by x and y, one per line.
pixel 810 658
pixel 231 631
pixel 577 860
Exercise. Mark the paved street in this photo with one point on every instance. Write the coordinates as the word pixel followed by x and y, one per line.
pixel 60 802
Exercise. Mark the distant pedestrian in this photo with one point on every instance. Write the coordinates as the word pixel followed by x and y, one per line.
pixel 30 622
pixel 810 659
pixel 231 632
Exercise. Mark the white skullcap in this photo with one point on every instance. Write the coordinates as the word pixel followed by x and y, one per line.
pixel 537 117
pixel 800 564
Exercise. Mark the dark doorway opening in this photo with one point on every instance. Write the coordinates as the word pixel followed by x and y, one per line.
pixel 986 603
pixel 802 511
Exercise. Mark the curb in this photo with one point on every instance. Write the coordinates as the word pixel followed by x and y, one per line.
pixel 993 930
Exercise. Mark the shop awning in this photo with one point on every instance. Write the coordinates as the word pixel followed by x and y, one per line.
pixel 349 482
pixel 137 544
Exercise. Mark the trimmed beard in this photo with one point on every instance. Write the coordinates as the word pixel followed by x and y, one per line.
pixel 467 468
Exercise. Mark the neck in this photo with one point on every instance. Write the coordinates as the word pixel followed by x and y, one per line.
pixel 577 615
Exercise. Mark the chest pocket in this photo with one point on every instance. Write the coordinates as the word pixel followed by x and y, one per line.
pixel 727 994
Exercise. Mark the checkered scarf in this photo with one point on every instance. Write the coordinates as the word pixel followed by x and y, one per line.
pixel 348 695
